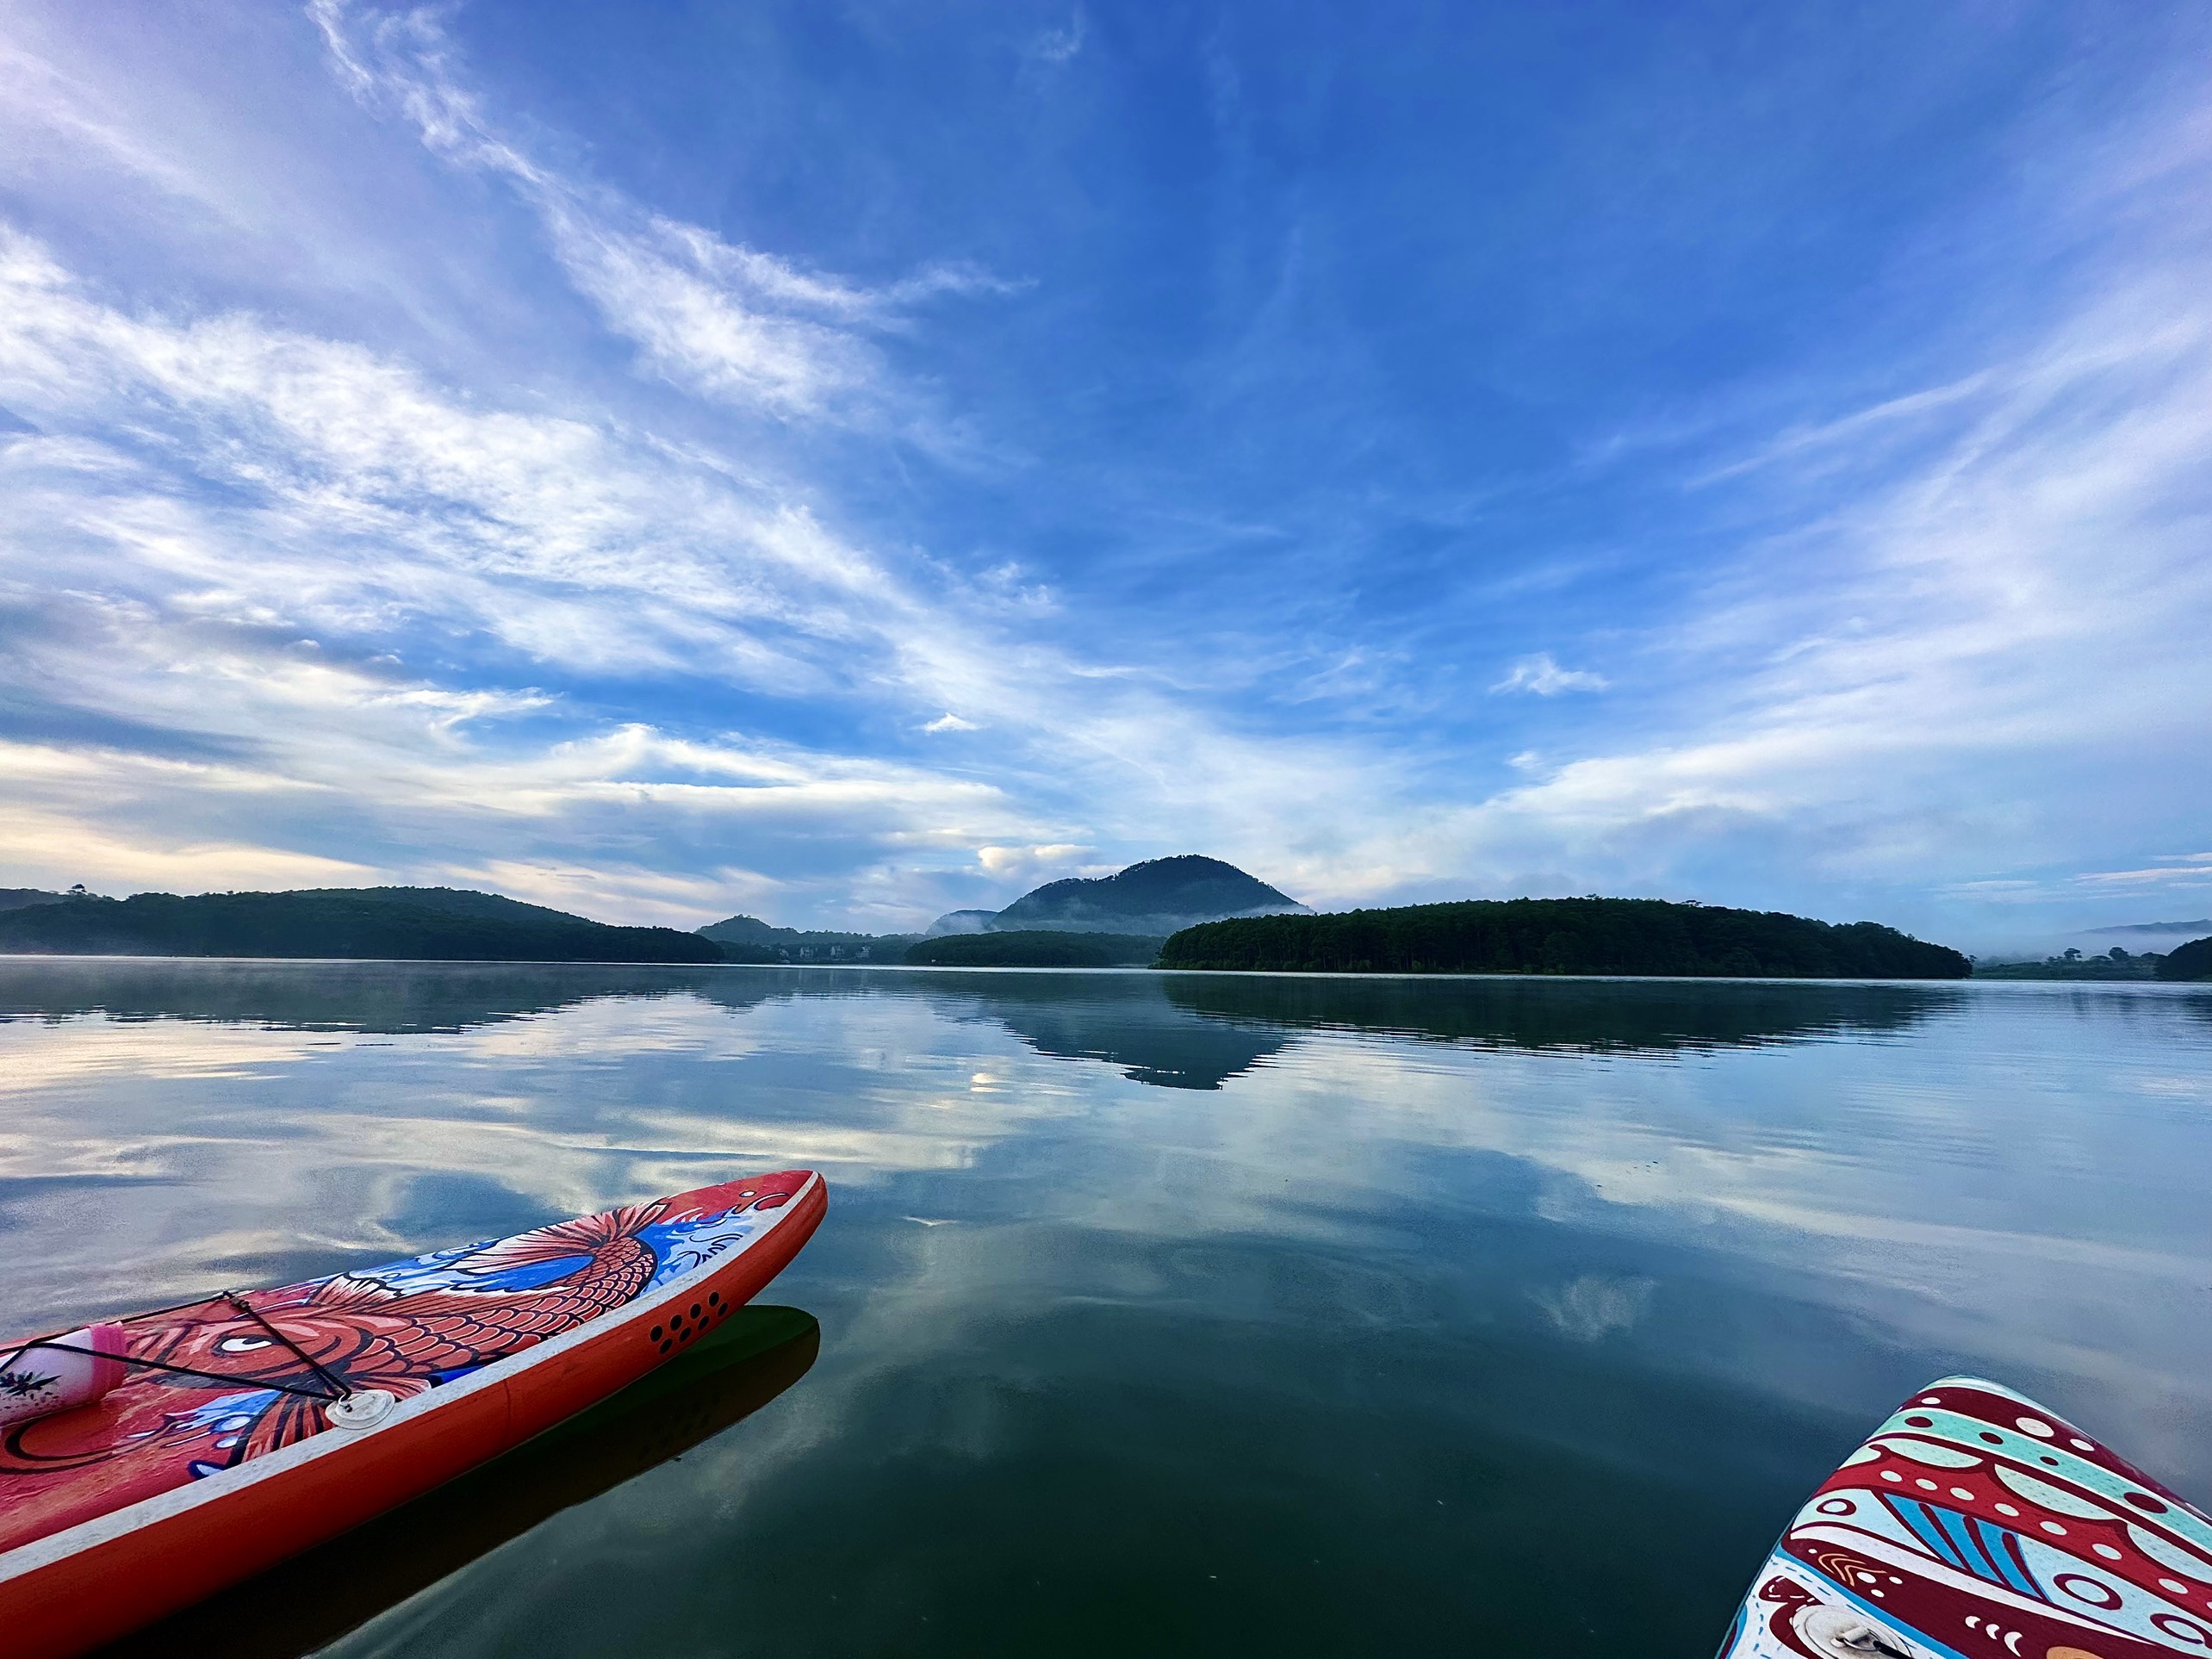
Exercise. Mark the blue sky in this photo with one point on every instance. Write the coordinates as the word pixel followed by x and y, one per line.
pixel 843 461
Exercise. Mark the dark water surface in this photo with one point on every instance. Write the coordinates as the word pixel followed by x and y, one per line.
pixel 1157 1313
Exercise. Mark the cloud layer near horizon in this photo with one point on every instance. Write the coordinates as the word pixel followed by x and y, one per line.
pixel 400 490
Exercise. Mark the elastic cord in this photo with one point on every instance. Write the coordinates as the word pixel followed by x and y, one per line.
pixel 335 1388
pixel 60 1347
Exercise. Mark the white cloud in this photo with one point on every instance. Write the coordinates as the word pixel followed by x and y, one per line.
pixel 367 490
pixel 726 322
pixel 950 722
pixel 1542 675
pixel 49 113
pixel 2175 870
pixel 1025 866
pixel 56 837
pixel 1059 45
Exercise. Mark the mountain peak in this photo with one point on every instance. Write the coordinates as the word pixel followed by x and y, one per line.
pixel 1159 896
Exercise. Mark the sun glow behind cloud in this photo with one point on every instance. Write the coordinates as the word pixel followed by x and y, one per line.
pixel 312 577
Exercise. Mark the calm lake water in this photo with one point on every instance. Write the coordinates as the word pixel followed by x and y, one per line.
pixel 1154 1314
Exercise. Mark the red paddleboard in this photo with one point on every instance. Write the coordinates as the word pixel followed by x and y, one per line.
pixel 1975 1523
pixel 286 1416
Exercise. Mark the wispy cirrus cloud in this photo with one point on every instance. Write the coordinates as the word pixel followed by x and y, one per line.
pixel 1958 628
pixel 2176 870
pixel 1543 676
pixel 363 487
pixel 727 322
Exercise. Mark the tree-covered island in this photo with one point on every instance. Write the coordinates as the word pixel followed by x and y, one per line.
pixel 1564 935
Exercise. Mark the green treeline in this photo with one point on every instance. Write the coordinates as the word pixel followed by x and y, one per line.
pixel 2191 961
pixel 2116 965
pixel 1033 948
pixel 1564 935
pixel 421 923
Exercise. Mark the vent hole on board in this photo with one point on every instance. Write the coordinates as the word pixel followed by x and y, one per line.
pixel 713 1298
pixel 694 1310
pixel 657 1333
pixel 667 1344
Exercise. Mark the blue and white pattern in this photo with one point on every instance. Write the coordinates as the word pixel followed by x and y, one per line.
pixel 684 1246
pixel 1976 1521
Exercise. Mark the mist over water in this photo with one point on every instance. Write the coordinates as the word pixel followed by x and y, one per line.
pixel 1170 1314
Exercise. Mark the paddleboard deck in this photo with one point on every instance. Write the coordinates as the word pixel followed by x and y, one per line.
pixel 286 1416
pixel 1975 1523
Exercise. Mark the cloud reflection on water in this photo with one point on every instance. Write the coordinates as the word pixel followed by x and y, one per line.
pixel 1791 1200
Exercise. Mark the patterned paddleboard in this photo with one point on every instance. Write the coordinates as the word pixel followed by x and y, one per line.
pixel 251 1426
pixel 1975 1523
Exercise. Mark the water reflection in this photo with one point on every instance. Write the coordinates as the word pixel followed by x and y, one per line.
pixel 1184 1314
pixel 314 1598
pixel 386 998
pixel 1197 1031
pixel 1610 1016
pixel 1178 1031
pixel 1126 1020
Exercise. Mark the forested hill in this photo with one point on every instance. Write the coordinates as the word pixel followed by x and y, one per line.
pixel 1564 935
pixel 2191 961
pixel 749 939
pixel 1156 897
pixel 426 923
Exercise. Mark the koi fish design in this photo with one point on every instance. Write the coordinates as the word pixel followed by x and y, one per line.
pixel 365 1334
pixel 187 1446
pixel 255 1378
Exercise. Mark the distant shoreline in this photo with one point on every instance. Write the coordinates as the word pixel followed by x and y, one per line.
pixel 934 968
pixel 1589 938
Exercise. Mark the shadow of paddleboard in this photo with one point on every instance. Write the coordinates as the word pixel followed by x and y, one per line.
pixel 315 1598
